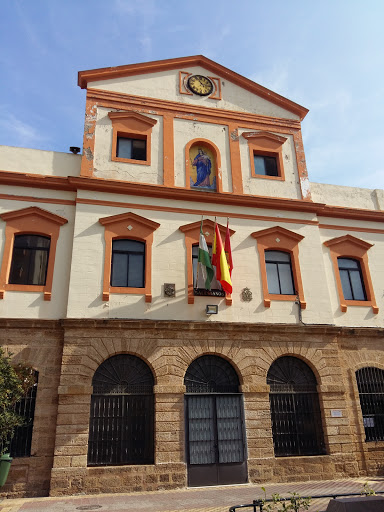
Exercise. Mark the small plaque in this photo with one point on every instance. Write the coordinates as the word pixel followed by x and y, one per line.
pixel 336 413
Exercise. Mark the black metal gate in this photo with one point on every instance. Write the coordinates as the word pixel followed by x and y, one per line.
pixel 215 433
pixel 22 439
pixel 295 409
pixel 370 382
pixel 121 426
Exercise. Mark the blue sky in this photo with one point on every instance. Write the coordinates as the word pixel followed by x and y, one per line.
pixel 327 56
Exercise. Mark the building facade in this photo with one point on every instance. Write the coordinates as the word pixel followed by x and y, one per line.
pixel 137 387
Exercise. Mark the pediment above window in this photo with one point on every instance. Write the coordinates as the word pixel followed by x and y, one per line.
pixel 33 212
pixel 133 120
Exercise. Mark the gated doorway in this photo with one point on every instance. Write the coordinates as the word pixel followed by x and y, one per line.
pixel 214 418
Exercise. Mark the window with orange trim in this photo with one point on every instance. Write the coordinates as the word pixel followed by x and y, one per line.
pixel 131 137
pixel 192 235
pixel 266 154
pixel 128 257
pixel 349 257
pixel 31 236
pixel 279 265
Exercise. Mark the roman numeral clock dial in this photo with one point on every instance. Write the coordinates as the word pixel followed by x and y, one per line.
pixel 200 85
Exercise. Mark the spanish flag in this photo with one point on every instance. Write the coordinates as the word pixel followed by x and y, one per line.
pixel 222 268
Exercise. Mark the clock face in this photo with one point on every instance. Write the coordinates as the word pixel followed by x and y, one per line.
pixel 200 85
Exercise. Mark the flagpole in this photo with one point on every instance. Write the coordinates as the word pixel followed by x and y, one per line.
pixel 197 266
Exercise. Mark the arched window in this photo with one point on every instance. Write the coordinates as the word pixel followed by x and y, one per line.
pixel 121 421
pixel 22 439
pixel 215 434
pixel 370 382
pixel 295 409
pixel 29 260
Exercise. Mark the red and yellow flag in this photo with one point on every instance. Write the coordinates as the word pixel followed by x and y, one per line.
pixel 222 268
pixel 227 249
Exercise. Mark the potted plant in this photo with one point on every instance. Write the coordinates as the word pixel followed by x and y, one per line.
pixel 15 383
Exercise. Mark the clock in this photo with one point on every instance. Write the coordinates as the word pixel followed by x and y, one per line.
pixel 200 85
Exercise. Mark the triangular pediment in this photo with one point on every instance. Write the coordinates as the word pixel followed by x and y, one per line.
pixel 140 121
pixel 208 225
pixel 185 63
pixel 34 212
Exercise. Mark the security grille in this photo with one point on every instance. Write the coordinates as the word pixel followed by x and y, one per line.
pixel 295 409
pixel 121 428
pixel 211 374
pixel 22 439
pixel 370 382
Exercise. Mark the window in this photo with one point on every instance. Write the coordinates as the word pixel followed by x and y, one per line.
pixel 349 256
pixel 351 279
pixel 134 149
pixel 198 287
pixel 121 424
pixel 31 237
pixel 279 265
pixel 192 235
pixel 128 263
pixel 295 409
pixel 29 259
pixel 370 383
pixel 22 439
pixel 266 154
pixel 279 273
pixel 265 165
pixel 131 137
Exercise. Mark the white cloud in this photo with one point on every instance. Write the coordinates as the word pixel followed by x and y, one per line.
pixel 19 132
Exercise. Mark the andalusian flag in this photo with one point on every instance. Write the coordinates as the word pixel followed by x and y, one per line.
pixel 204 266
pixel 222 268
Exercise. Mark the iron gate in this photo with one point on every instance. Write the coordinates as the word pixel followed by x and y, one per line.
pixel 370 382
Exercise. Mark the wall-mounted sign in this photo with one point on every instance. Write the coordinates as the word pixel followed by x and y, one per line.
pixel 336 413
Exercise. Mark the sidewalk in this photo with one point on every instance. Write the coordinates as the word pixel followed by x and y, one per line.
pixel 207 499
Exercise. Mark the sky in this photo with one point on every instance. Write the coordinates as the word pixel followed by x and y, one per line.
pixel 327 56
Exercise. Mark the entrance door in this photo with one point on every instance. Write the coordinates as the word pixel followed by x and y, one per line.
pixel 215 434
pixel 215 440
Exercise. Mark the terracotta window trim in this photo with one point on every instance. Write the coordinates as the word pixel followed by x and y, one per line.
pixel 192 236
pixel 133 126
pixel 31 221
pixel 266 144
pixel 215 151
pixel 348 246
pixel 128 226
pixel 280 239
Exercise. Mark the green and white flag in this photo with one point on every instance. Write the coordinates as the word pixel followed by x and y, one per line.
pixel 204 266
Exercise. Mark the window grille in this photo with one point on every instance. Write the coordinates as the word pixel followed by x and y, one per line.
pixel 21 442
pixel 211 374
pixel 370 382
pixel 121 427
pixel 295 410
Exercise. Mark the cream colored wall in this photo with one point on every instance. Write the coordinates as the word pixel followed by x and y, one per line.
pixel 165 86
pixel 356 316
pixel 169 265
pixel 289 188
pixel 18 304
pixel 184 132
pixel 106 169
pixel 353 197
pixel 37 161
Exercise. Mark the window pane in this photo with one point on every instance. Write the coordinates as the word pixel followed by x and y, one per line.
pixel 139 149
pixel 348 263
pixel 136 271
pixel 270 166
pixel 277 256
pixel 259 165
pixel 128 246
pixel 357 285
pixel 124 147
pixel 119 272
pixel 32 241
pixel 347 290
pixel 286 282
pixel 29 260
pixel 272 278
